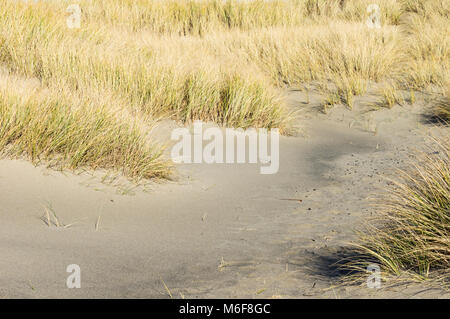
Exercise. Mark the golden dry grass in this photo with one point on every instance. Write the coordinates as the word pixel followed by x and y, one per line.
pixel 221 61
pixel 51 125
pixel 442 109
pixel 411 231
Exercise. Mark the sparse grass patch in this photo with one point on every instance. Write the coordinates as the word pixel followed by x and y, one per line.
pixel 51 219
pixel 391 95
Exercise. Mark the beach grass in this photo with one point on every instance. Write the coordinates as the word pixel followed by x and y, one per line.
pixel 228 62
pixel 409 235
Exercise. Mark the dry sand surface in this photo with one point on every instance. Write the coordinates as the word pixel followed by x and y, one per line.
pixel 217 230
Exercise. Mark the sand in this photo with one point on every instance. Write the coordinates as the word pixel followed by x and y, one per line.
pixel 216 231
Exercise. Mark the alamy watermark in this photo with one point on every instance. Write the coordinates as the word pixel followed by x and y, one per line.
pixel 233 146
pixel 374 19
pixel 74 279
pixel 73 21
pixel 374 278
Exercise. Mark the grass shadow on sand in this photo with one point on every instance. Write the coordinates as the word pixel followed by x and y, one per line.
pixel 439 113
pixel 434 119
pixel 332 264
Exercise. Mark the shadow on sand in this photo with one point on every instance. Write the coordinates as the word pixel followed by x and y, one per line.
pixel 337 264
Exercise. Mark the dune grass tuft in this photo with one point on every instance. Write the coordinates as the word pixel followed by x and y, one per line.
pixel 441 109
pixel 66 132
pixel 411 232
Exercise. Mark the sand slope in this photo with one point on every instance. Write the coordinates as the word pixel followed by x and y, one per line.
pixel 218 230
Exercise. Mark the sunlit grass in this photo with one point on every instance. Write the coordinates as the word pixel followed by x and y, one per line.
pixel 220 61
pixel 69 132
pixel 410 234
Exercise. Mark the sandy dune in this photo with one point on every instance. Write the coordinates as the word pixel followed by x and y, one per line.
pixel 218 230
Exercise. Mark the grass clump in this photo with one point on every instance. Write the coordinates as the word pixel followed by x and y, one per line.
pixel 441 109
pixel 67 132
pixel 411 233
